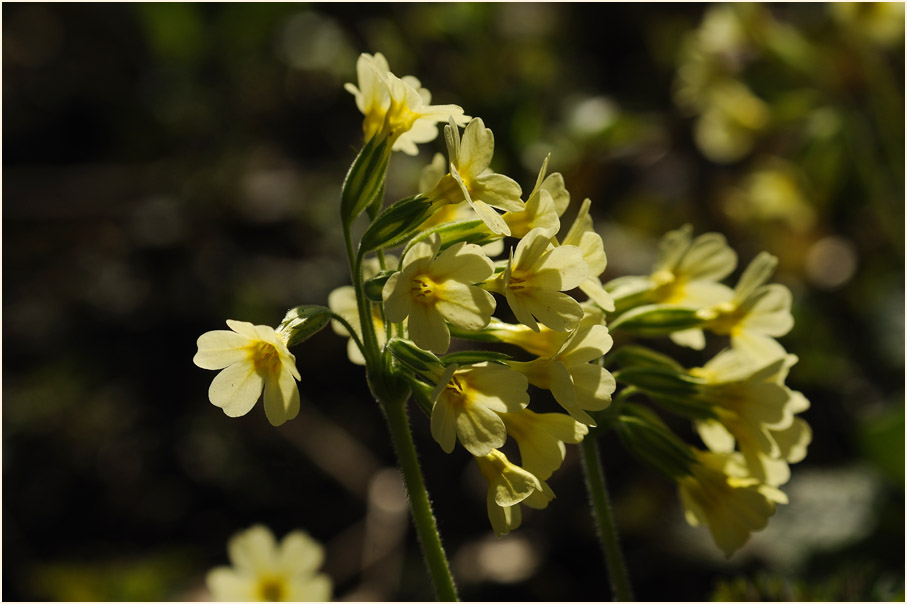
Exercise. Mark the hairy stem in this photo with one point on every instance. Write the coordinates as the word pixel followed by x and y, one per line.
pixel 601 510
pixel 423 517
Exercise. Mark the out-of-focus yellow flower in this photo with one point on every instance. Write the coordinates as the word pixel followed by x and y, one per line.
pixel 535 279
pixel 754 408
pixel 687 273
pixel 578 383
pixel 471 180
pixel 399 108
pixel 252 358
pixel 467 402
pixel 730 122
pixel 880 22
pixel 772 192
pixel 541 438
pixel 508 486
pixel 720 494
pixel 756 313
pixel 265 571
pixel 430 289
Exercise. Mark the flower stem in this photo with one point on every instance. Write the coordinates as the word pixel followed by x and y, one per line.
pixel 601 510
pixel 424 519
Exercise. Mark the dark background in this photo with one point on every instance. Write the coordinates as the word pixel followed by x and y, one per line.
pixel 169 166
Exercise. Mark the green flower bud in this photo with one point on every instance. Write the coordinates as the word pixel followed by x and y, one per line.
pixel 396 224
pixel 655 320
pixel 302 322
pixel 365 179
pixel 647 437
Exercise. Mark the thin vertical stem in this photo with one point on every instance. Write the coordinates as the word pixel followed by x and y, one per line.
pixel 423 517
pixel 601 510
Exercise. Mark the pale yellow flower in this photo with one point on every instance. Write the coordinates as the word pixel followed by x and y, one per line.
pixel 467 401
pixel 265 571
pixel 573 376
pixel 253 358
pixel 753 408
pixel 583 236
pixel 757 313
pixel 686 273
pixel 541 210
pixel 541 438
pixel 720 494
pixel 342 301
pixel 432 288
pixel 508 486
pixel 399 108
pixel 545 342
pixel 471 179
pixel 535 279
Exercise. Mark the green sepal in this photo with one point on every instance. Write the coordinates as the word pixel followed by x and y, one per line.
pixel 647 437
pixel 640 356
pixel 655 320
pixel 676 391
pixel 375 286
pixel 416 360
pixel 470 357
pixel 469 231
pixel 396 224
pixel 302 322
pixel 365 179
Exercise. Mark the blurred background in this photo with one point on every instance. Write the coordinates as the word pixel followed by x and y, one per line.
pixel 169 166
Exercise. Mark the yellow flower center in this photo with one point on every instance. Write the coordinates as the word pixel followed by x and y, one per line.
pixel 271 589
pixel 424 289
pixel 727 321
pixel 265 358
pixel 456 393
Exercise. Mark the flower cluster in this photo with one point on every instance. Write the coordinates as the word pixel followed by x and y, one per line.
pixel 489 300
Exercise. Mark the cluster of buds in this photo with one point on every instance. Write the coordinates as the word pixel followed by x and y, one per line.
pixel 466 294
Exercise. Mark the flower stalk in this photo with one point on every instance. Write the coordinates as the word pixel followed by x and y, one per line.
pixel 604 519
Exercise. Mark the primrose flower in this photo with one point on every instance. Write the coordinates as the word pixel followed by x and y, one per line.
pixel 686 273
pixel 752 405
pixel 541 210
pixel 545 342
pixel 541 438
pixel 583 236
pixel 508 486
pixel 342 301
pixel 467 402
pixel 471 180
pixel 720 494
pixel 577 382
pixel 398 107
pixel 430 289
pixel 535 278
pixel 756 313
pixel 253 358
pixel 265 571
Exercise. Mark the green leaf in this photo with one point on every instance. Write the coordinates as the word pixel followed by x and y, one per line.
pixel 302 322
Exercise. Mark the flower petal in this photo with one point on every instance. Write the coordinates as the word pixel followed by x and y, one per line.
pixel 236 389
pixel 281 398
pixel 480 430
pixel 218 349
pixel 444 425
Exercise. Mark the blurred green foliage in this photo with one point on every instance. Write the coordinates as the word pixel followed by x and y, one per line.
pixel 168 166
